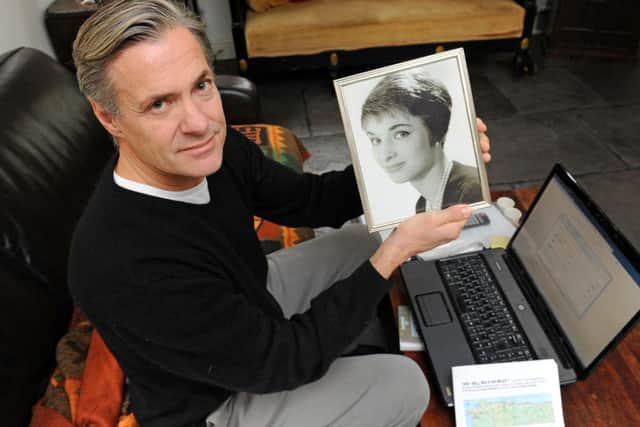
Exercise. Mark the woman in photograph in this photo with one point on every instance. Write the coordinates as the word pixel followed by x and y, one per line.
pixel 406 117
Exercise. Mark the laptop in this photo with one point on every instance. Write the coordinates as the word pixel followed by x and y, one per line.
pixel 567 287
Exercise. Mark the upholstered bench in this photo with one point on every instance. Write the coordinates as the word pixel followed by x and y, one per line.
pixel 310 32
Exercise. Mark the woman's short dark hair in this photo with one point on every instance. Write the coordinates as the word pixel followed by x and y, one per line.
pixel 413 92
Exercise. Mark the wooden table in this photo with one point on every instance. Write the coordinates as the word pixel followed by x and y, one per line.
pixel 610 396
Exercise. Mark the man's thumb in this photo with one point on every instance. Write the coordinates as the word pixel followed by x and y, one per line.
pixel 457 213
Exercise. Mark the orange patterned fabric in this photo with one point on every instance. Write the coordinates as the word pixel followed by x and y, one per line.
pixel 277 142
pixel 87 387
pixel 100 399
pixel 64 386
pixel 283 146
pixel 45 416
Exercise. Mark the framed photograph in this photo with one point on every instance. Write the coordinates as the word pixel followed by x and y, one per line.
pixel 412 133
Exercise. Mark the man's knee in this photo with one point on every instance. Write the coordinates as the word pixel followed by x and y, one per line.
pixel 411 386
pixel 346 248
pixel 417 386
pixel 361 238
pixel 404 390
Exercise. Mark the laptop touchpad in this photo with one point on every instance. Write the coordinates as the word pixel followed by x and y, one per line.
pixel 433 309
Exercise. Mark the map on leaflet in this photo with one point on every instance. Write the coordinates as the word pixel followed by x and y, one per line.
pixel 514 394
pixel 525 410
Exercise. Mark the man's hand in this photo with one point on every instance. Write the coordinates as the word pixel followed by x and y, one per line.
pixel 417 234
pixel 426 230
pixel 485 144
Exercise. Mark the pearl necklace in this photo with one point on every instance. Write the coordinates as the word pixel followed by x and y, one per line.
pixel 428 207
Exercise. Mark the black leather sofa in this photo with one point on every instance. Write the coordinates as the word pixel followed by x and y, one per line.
pixel 52 150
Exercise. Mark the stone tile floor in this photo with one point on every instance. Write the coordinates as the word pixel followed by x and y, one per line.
pixel 584 113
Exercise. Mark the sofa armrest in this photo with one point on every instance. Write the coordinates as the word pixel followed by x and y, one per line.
pixel 52 151
pixel 239 98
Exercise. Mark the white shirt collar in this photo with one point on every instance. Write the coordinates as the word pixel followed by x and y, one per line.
pixel 198 195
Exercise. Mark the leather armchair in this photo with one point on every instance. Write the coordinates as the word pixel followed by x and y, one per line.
pixel 52 150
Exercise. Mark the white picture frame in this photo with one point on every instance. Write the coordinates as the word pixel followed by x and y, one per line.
pixel 388 114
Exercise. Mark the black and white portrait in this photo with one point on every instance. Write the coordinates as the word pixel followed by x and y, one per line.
pixel 412 135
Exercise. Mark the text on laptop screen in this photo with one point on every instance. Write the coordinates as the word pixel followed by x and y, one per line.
pixel 590 287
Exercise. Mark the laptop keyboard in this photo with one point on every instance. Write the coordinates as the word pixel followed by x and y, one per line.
pixel 491 328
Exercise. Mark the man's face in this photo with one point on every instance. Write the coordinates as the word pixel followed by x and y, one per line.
pixel 401 145
pixel 170 127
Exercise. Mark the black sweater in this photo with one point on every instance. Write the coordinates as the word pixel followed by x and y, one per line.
pixel 178 291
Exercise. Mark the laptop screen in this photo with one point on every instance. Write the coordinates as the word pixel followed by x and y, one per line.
pixel 587 282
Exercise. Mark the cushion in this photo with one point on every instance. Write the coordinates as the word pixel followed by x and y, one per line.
pixel 298 28
pixel 283 146
pixel 87 386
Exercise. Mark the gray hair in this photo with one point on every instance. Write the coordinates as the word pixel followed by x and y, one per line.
pixel 120 24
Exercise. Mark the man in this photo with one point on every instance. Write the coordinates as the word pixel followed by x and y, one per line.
pixel 166 264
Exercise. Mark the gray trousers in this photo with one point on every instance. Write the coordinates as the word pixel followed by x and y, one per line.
pixel 372 390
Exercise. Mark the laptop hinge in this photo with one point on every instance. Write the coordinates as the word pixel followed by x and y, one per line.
pixel 546 318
